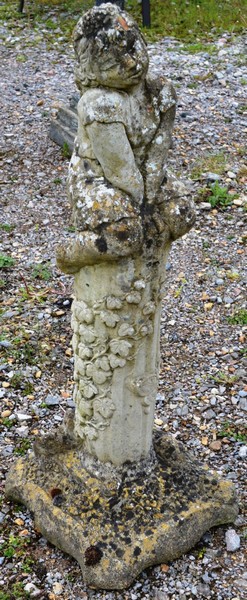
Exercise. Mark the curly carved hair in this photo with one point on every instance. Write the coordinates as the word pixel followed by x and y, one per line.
pixel 102 30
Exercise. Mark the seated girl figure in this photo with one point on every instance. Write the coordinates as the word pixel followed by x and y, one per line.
pixel 117 176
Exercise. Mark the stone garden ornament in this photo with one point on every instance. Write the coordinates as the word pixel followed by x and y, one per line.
pixel 106 488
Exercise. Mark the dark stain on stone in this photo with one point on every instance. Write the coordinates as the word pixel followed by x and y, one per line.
pixel 127 540
pixel 93 555
pixel 122 235
pixel 58 500
pixel 101 244
pixel 57 497
pixel 137 551
pixel 55 492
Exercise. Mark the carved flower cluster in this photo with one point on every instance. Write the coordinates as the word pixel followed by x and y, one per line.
pixel 104 338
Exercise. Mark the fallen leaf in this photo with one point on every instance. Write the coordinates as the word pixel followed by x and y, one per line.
pixel 204 441
pixel 65 394
pixel 164 568
pixel 208 305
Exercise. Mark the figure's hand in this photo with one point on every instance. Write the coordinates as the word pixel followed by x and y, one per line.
pixel 118 240
pixel 177 208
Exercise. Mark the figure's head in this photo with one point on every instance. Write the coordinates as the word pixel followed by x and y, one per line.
pixel 110 49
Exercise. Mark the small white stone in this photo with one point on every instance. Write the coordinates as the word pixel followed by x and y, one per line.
pixel 57 588
pixel 23 417
pixel 232 540
pixel 31 589
pixel 22 431
pixel 242 452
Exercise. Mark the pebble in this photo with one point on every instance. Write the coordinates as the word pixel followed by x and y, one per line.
pixel 203 590
pixel 232 540
pixel 52 400
pixel 211 177
pixel 32 590
pixel 215 446
pixel 23 417
pixel 209 414
pixel 243 404
pixel 57 588
pixel 22 431
pixel 5 414
pixel 242 453
pixel 5 344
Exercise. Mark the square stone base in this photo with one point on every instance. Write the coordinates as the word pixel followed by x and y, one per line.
pixel 117 522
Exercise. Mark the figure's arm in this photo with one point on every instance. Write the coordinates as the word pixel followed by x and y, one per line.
pixel 161 143
pixel 113 151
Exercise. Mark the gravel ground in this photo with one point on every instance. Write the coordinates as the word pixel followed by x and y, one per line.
pixel 202 397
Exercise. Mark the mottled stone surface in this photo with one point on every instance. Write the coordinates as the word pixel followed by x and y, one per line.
pixel 116 522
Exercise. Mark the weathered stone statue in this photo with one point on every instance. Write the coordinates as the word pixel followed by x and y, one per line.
pixel 126 212
pixel 104 488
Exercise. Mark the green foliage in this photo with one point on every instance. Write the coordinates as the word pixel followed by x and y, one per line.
pixel 239 317
pixel 8 422
pixel 229 431
pixel 66 152
pixel 224 378
pixel 17 380
pixel 6 261
pixel 23 446
pixel 27 564
pixel 14 545
pixel 201 553
pixel 200 47
pixel 219 196
pixel 41 271
pixel 7 227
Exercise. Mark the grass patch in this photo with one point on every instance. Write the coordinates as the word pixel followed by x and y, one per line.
pixel 188 20
pixel 41 271
pixel 229 430
pixel 6 261
pixel 239 317
pixel 6 227
pixel 23 446
pixel 219 197
pixel 199 47
pixel 211 163
pixel 216 195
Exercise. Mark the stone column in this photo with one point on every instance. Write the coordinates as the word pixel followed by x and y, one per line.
pixel 116 323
